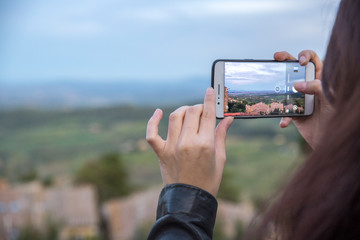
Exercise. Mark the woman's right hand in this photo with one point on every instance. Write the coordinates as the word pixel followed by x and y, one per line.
pixel 194 151
pixel 309 127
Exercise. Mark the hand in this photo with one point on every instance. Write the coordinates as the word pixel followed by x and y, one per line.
pixel 309 127
pixel 194 152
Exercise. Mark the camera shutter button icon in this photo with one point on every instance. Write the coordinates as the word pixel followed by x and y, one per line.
pixel 294 90
pixel 277 89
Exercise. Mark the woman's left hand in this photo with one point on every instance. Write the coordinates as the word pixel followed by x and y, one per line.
pixel 194 151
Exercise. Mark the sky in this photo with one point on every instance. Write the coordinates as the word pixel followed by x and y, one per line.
pixel 117 40
pixel 262 76
pixel 254 76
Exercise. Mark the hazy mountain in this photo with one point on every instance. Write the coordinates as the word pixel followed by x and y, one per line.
pixel 74 94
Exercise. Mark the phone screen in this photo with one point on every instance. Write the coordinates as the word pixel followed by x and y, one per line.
pixel 263 88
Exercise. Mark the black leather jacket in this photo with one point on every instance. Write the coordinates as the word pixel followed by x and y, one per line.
pixel 184 212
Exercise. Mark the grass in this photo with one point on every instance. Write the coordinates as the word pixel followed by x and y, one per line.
pixel 258 166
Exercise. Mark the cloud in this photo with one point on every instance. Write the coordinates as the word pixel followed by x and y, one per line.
pixel 226 8
pixel 75 29
pixel 241 81
pixel 70 19
pixel 244 75
pixel 207 9
pixel 239 69
pixel 95 17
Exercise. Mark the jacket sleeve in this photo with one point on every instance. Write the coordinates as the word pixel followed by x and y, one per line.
pixel 184 212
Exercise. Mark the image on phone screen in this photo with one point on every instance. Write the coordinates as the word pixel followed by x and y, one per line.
pixel 263 88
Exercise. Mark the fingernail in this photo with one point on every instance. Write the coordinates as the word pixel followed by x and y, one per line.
pixel 231 119
pixel 302 59
pixel 156 111
pixel 209 91
pixel 229 122
pixel 281 122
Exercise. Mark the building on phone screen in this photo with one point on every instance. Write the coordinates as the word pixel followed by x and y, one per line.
pixel 226 99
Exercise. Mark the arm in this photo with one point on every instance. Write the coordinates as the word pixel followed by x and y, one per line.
pixel 192 155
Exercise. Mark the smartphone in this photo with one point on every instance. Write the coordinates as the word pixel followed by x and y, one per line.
pixel 261 88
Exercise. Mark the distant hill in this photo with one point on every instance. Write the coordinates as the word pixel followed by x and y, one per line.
pixel 75 94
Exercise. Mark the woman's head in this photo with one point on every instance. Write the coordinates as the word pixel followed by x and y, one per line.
pixel 322 200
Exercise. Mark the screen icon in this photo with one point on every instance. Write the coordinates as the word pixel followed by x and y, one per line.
pixel 277 89
pixel 294 90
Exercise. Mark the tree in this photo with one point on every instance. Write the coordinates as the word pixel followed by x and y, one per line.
pixel 239 231
pixel 231 106
pixel 108 175
pixel 29 232
pixel 299 101
pixel 28 176
pixel 219 232
pixel 143 230
pixel 275 112
pixel 241 107
pixel 227 190
pixel 236 107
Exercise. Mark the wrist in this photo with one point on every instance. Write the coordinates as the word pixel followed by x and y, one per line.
pixel 184 198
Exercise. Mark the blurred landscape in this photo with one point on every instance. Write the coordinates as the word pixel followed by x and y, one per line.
pixel 59 141
pixel 51 145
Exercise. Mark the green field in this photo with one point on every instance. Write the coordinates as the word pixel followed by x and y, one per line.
pixel 58 143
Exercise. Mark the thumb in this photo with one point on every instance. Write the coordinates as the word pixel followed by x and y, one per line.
pixel 310 87
pixel 220 138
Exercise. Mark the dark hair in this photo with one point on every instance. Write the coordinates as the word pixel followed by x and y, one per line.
pixel 322 200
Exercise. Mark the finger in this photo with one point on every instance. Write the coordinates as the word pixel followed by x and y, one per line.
pixel 310 87
pixel 285 122
pixel 191 121
pixel 152 132
pixel 208 117
pixel 176 120
pixel 282 56
pixel 309 55
pixel 220 138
